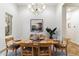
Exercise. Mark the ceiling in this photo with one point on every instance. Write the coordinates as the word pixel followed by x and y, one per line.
pixel 72 4
pixel 25 4
pixel 70 7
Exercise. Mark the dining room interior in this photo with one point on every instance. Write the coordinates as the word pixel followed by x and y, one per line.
pixel 39 29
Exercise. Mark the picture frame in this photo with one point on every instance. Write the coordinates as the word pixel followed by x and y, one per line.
pixel 69 25
pixel 8 24
pixel 36 25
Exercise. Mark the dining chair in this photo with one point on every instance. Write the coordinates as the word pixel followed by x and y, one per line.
pixel 62 45
pixel 34 37
pixel 27 49
pixel 9 44
pixel 41 37
pixel 44 49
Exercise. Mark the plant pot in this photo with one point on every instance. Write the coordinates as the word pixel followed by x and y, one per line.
pixel 51 37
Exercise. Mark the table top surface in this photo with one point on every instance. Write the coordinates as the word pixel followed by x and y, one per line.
pixel 30 41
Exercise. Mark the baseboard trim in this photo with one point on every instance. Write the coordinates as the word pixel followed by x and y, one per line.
pixel 3 50
pixel 74 43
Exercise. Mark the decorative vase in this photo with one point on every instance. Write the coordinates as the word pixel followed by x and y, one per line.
pixel 51 37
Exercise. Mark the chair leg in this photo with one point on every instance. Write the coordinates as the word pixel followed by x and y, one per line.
pixel 6 52
pixel 15 51
pixel 32 51
pixel 39 51
pixel 66 51
pixel 61 50
pixel 53 48
pixel 49 51
pixel 56 50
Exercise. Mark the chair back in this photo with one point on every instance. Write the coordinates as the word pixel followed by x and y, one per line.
pixel 26 44
pixel 8 39
pixel 26 49
pixel 44 44
pixel 66 41
pixel 44 49
pixel 34 37
pixel 41 37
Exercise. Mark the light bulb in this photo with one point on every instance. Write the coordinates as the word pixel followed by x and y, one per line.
pixel 29 6
pixel 44 6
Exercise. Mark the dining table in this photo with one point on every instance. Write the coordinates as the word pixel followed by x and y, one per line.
pixel 35 43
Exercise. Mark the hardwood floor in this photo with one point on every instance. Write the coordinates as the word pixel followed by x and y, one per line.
pixel 73 49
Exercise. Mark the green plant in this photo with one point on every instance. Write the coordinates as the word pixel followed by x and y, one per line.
pixel 51 32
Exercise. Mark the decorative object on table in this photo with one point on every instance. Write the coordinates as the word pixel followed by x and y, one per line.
pixel 36 25
pixel 51 32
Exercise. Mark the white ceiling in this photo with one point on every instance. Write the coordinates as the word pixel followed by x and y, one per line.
pixel 25 4
pixel 71 6
pixel 50 4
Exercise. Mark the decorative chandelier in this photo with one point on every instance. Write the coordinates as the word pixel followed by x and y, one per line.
pixel 37 8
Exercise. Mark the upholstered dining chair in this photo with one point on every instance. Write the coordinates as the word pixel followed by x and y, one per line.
pixel 34 37
pixel 27 49
pixel 44 49
pixel 9 44
pixel 41 37
pixel 62 45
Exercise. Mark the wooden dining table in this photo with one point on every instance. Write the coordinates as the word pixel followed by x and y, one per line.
pixel 35 43
pixel 19 42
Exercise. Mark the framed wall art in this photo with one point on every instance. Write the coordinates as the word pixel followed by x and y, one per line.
pixel 8 24
pixel 36 25
pixel 69 25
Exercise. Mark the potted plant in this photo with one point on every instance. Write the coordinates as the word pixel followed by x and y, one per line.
pixel 51 32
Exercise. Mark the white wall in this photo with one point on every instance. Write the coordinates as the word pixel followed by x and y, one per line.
pixel 48 16
pixel 11 9
pixel 73 31
pixel 61 24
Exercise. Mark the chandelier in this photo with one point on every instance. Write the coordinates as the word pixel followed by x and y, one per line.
pixel 37 8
